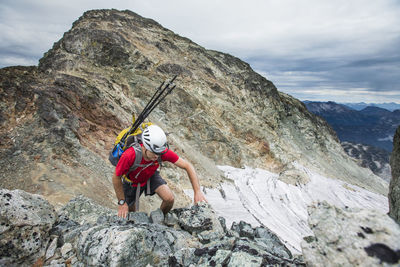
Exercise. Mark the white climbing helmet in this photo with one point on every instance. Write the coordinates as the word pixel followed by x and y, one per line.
pixel 154 139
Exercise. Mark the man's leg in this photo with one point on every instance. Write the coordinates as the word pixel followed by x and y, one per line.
pixel 132 207
pixel 167 197
pixel 130 196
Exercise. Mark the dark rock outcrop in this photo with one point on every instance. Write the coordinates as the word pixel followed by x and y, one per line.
pixel 86 234
pixel 394 188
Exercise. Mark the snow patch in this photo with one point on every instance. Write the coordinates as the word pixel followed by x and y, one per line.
pixel 388 138
pixel 258 197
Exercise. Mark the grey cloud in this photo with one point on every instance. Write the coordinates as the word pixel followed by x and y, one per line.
pixel 378 74
pixel 376 62
pixel 352 47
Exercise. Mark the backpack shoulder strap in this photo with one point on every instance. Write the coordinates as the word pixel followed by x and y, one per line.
pixel 160 162
pixel 138 157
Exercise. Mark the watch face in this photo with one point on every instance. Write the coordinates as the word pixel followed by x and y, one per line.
pixel 121 202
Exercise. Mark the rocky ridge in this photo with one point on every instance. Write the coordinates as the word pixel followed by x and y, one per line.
pixel 394 188
pixel 83 233
pixel 59 119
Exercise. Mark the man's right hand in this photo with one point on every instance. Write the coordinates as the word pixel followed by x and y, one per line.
pixel 123 210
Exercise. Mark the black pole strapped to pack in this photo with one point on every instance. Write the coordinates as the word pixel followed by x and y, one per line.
pixel 156 99
pixel 160 100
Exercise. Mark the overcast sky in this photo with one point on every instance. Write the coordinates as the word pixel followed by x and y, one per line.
pixel 339 50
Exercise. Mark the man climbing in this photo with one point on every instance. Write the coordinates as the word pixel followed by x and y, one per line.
pixel 129 185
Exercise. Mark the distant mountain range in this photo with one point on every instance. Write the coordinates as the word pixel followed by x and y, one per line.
pixel 361 105
pixel 371 125
pixel 366 134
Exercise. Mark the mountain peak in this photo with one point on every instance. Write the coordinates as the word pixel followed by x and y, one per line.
pixel 375 111
pixel 330 106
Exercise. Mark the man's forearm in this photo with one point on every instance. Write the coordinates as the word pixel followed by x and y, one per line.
pixel 193 178
pixel 119 190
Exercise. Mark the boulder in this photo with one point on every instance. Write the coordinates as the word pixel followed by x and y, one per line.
pixel 201 220
pixel 122 245
pixel 351 237
pixel 272 242
pixel 25 222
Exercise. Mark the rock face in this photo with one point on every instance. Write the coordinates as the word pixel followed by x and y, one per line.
pixel 59 120
pixel 351 238
pixel 86 234
pixel 25 223
pixel 394 189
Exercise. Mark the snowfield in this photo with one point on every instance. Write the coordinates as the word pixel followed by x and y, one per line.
pixel 257 197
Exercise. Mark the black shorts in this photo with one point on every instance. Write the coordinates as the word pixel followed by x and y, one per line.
pixel 130 192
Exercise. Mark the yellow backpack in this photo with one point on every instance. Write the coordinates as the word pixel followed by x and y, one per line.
pixel 135 136
pixel 132 136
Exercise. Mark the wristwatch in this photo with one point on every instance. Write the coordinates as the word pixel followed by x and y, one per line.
pixel 121 202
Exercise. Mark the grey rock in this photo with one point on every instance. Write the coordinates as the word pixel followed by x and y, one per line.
pixel 221 258
pixel 189 221
pixel 67 230
pixel 272 242
pixel 157 216
pixel 200 218
pixel 138 217
pixel 222 221
pixel 66 250
pixel 56 263
pixel 232 233
pixel 394 188
pixel 207 236
pixel 351 237
pixel 240 258
pixel 51 250
pixel 202 256
pixel 260 250
pixel 83 210
pixel 124 244
pixel 235 227
pixel 171 219
pixel 245 230
pixel 183 257
pixel 25 222
pixel 236 251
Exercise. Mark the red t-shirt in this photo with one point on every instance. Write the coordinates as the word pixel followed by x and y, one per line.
pixel 128 158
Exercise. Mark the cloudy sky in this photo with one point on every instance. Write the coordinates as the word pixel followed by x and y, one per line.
pixel 339 50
